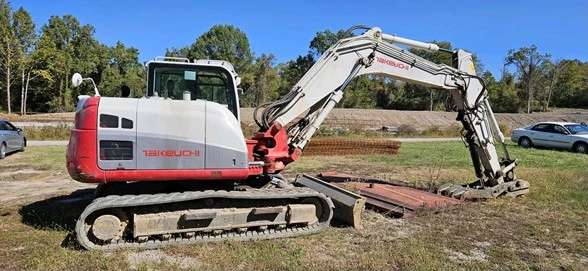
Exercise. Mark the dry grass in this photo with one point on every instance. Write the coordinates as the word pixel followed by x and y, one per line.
pixel 42 117
pixel 59 132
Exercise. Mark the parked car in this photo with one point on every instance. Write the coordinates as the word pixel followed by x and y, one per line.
pixel 11 138
pixel 559 135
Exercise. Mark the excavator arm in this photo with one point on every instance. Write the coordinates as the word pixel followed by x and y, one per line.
pixel 374 52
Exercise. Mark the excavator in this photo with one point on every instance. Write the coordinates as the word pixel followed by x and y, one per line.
pixel 173 167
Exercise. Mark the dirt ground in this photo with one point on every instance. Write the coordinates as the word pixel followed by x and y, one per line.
pixel 21 184
pixel 19 192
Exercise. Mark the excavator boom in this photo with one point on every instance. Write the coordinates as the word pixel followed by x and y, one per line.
pixel 374 52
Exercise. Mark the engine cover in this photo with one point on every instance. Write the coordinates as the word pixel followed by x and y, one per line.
pixel 141 138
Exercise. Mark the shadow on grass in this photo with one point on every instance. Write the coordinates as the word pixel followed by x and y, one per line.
pixel 58 214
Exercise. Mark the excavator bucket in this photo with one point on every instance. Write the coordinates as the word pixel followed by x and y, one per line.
pixel 474 191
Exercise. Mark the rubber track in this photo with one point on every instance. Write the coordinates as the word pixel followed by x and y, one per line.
pixel 82 229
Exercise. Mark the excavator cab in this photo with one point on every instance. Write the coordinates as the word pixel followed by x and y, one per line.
pixel 180 79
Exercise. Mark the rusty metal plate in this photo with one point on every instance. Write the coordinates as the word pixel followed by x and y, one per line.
pixel 409 198
pixel 398 200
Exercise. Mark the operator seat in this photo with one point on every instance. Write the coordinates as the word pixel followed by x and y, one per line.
pixel 190 85
pixel 170 86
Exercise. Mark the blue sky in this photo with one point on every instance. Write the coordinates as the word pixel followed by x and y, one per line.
pixel 285 29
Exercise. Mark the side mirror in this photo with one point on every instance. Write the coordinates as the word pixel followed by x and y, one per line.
pixel 241 91
pixel 76 80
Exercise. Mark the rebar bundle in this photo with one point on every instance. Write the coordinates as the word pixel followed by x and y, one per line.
pixel 340 146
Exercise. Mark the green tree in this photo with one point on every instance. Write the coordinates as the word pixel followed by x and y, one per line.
pixel 265 87
pixel 17 39
pixel 291 72
pixel 24 31
pixel 123 68
pixel 552 70
pixel 360 93
pixel 503 94
pixel 124 58
pixel 47 61
pixel 571 89
pixel 433 98
pixel 177 52
pixel 552 74
pixel 323 40
pixel 383 88
pixel 222 42
pixel 528 62
pixel 76 51
pixel 9 54
pixel 61 32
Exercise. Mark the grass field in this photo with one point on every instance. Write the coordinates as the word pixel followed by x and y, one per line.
pixel 545 230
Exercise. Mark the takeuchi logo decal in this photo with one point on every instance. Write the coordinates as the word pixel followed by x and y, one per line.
pixel 171 153
pixel 392 63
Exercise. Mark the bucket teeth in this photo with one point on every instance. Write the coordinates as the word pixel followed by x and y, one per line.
pixel 450 189
pixel 472 192
pixel 459 192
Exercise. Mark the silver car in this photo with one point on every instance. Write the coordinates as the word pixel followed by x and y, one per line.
pixel 11 138
pixel 558 135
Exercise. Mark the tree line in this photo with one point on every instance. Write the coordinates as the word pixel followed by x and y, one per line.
pixel 36 65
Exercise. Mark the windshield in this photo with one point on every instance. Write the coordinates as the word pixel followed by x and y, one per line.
pixel 577 129
pixel 174 80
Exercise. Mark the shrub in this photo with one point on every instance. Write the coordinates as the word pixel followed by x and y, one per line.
pixel 59 132
pixel 407 130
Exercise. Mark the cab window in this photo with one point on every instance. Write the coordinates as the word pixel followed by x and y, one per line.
pixel 174 80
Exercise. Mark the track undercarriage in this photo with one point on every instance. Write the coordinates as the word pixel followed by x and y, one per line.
pixel 158 220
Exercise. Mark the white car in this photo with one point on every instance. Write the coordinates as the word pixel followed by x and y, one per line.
pixel 559 135
pixel 11 138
